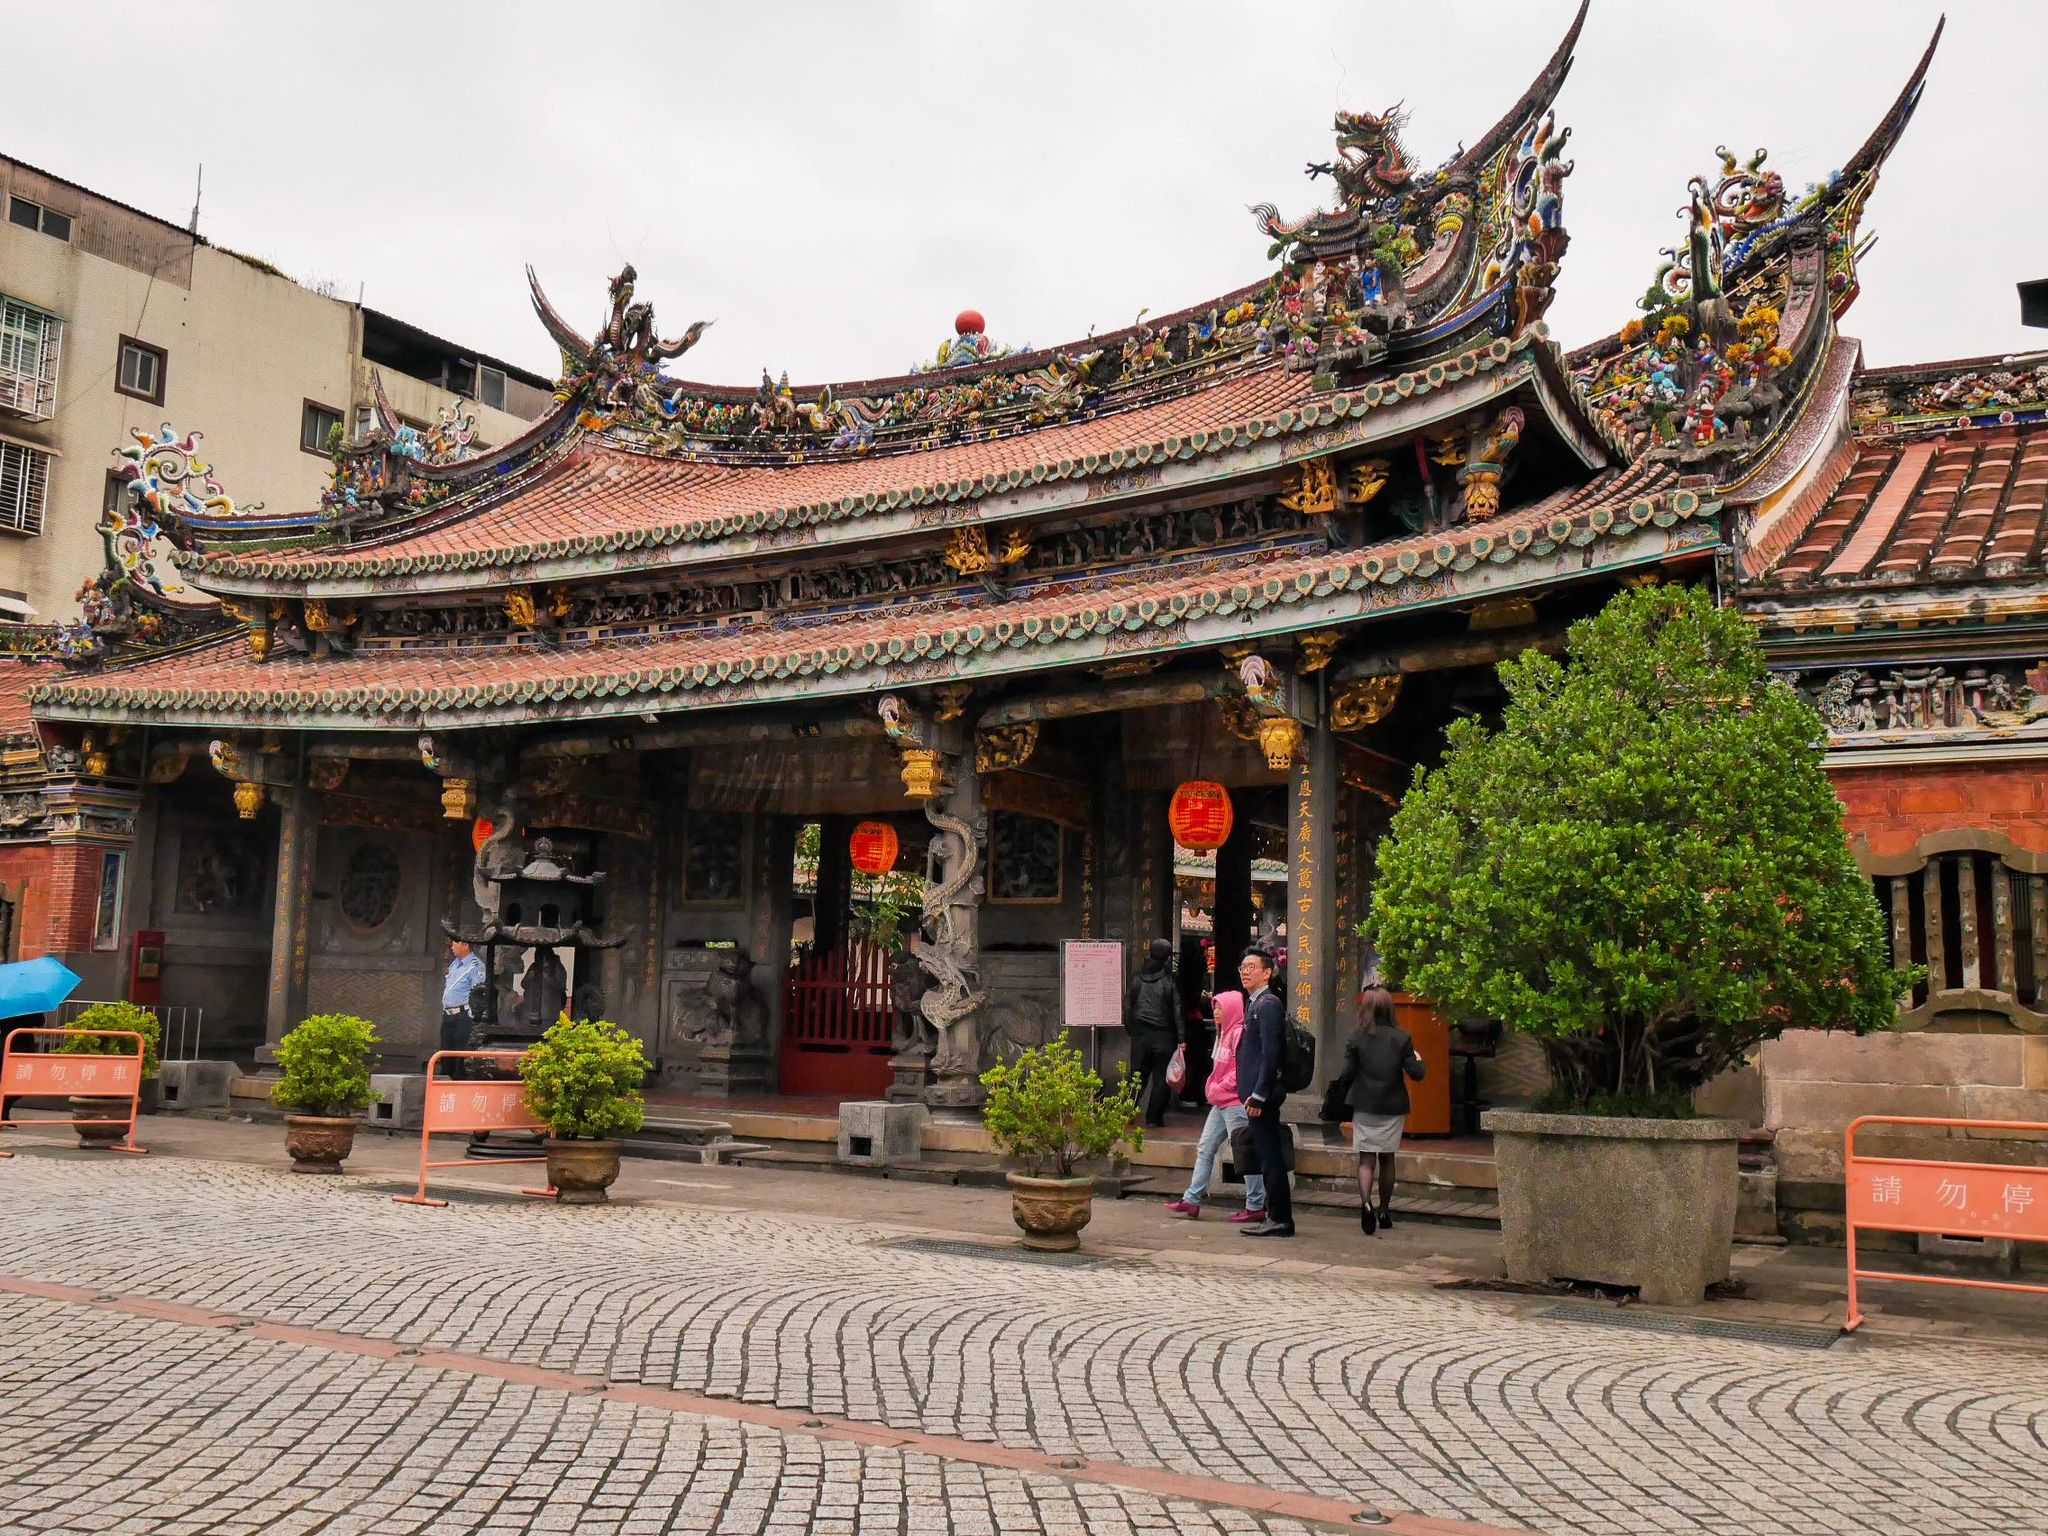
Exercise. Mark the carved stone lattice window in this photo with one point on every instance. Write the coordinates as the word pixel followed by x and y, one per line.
pixel 369 886
pixel 1977 919
pixel 1026 858
pixel 713 859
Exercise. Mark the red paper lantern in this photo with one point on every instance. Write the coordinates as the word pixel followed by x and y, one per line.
pixel 1200 815
pixel 873 847
pixel 480 832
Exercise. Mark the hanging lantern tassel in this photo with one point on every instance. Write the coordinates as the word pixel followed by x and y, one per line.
pixel 1200 815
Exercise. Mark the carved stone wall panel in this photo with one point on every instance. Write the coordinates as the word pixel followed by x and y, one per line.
pixel 1959 701
pixel 403 1004
pixel 1024 1002
pixel 372 893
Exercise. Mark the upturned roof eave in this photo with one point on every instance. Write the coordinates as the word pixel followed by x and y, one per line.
pixel 1524 552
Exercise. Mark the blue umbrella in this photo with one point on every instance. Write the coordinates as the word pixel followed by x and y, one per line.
pixel 35 986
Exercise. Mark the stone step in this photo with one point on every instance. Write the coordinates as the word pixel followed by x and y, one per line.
pixel 692 1130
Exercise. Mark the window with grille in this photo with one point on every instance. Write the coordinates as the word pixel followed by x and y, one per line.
pixel 24 486
pixel 30 339
pixel 1977 924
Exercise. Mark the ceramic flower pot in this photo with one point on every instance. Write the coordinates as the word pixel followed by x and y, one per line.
pixel 582 1171
pixel 100 1109
pixel 319 1143
pixel 1051 1212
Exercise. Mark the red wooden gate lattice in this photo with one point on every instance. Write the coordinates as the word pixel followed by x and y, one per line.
pixel 836 1022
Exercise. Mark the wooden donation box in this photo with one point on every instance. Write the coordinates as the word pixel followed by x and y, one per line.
pixel 1429 1101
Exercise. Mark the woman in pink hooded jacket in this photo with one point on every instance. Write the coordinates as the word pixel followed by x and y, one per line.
pixel 1226 1115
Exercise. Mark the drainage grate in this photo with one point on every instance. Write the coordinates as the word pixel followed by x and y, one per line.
pixel 949 1248
pixel 1694 1327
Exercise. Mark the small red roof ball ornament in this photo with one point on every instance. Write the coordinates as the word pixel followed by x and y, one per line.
pixel 1200 815
pixel 873 847
pixel 969 323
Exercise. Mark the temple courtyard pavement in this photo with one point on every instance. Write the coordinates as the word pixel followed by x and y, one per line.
pixel 198 1342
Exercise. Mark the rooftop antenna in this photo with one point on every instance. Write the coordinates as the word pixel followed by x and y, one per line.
pixel 197 186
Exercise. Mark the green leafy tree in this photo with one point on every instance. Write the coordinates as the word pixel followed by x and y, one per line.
pixel 1644 867
pixel 884 906
pixel 1048 1110
pixel 326 1066
pixel 128 1016
pixel 583 1079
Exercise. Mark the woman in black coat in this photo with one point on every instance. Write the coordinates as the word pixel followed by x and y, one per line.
pixel 1379 1059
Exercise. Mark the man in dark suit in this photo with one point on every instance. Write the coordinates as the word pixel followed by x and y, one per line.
pixel 1258 1076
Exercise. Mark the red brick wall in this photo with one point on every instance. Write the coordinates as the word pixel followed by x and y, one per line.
pixel 1893 808
pixel 56 889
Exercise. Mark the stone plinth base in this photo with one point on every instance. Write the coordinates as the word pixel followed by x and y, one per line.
pixel 195 1084
pixel 1648 1203
pixel 874 1132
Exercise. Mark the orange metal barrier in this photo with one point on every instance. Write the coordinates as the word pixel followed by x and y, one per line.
pixel 1912 1194
pixel 41 1076
pixel 471 1105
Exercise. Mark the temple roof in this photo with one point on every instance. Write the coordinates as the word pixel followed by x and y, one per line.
pixel 1940 477
pixel 1622 517
pixel 593 499
pixel 1411 270
pixel 17 679
pixel 1966 506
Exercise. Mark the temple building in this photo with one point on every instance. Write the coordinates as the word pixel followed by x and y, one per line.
pixel 992 613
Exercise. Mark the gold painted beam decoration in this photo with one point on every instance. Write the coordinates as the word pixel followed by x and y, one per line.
pixel 1311 488
pixel 1367 701
pixel 1005 746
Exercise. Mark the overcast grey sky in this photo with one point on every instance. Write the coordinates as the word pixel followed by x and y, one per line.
pixel 831 182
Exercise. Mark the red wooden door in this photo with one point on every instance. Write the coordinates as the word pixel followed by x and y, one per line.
pixel 836 1021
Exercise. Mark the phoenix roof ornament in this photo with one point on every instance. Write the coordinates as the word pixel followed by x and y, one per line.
pixel 626 355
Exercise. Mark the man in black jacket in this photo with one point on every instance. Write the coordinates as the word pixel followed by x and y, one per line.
pixel 1259 1053
pixel 1152 1016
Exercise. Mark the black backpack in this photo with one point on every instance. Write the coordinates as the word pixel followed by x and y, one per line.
pixel 1297 1059
pixel 1157 1004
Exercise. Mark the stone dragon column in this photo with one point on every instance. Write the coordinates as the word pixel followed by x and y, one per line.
pixel 939 772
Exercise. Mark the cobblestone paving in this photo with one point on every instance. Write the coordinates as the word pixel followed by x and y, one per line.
pixel 1451 1404
pixel 122 1425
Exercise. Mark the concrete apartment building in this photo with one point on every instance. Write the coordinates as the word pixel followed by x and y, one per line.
pixel 112 320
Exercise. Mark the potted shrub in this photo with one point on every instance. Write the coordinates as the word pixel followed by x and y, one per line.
pixel 1047 1111
pixel 326 1085
pixel 1644 868
pixel 583 1083
pixel 128 1016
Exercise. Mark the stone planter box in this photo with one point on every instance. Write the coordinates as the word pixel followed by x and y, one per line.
pixel 401 1100
pixel 874 1133
pixel 1648 1203
pixel 196 1084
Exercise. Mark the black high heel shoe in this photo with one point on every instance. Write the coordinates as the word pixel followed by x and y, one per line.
pixel 1386 1218
pixel 1365 1221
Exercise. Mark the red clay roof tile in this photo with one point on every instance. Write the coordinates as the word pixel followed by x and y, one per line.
pixel 1967 505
